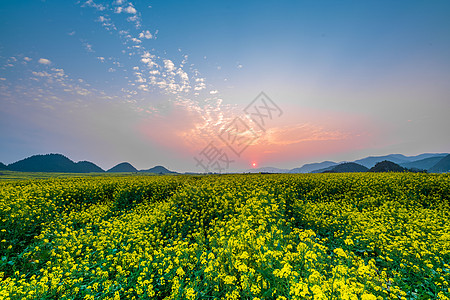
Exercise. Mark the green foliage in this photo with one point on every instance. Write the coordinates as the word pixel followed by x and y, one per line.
pixel 312 236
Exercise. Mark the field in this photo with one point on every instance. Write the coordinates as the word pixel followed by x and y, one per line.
pixel 319 236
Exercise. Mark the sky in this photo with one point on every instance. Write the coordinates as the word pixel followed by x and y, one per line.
pixel 223 85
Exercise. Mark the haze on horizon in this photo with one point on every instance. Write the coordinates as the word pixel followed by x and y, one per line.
pixel 154 83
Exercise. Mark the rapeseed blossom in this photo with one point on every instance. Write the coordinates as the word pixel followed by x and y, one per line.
pixel 308 236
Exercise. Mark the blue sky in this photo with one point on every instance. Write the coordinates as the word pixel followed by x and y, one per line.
pixel 154 82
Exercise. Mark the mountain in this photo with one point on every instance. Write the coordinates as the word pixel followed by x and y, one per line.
pixel 370 161
pixel 425 155
pixel 441 166
pixel 422 164
pixel 323 169
pixel 158 170
pixel 387 166
pixel 88 167
pixel 307 168
pixel 53 163
pixel 349 167
pixel 267 170
pixel 3 166
pixel 122 167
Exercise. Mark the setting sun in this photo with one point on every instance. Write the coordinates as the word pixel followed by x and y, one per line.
pixel 254 165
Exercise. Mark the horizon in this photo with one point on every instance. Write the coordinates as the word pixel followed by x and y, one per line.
pixel 253 167
pixel 173 83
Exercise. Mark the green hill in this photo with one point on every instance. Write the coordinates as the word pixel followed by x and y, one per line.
pixel 441 166
pixel 387 166
pixel 158 170
pixel 422 164
pixel 122 167
pixel 349 167
pixel 53 163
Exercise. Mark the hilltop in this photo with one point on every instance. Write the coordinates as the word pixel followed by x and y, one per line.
pixel 387 166
pixel 122 167
pixel 158 170
pixel 349 167
pixel 53 163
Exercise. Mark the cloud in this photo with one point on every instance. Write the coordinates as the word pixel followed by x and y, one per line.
pixel 131 10
pixel 147 59
pixel 145 35
pixel 2 79
pixel 91 3
pixel 213 92
pixel 307 132
pixel 27 58
pixel 239 66
pixel 107 23
pixel 88 47
pixel 101 58
pixel 44 61
pixel 168 64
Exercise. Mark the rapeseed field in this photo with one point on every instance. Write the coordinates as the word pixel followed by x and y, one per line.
pixel 308 236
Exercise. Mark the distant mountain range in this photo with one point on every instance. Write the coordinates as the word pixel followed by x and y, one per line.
pixel 61 164
pixel 308 168
pixel 424 162
pixel 441 166
pixel 430 162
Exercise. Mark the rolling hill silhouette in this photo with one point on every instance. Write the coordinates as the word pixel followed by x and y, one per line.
pixel 158 170
pixel 122 167
pixel 422 164
pixel 441 166
pixel 387 166
pixel 307 168
pixel 53 163
pixel 349 167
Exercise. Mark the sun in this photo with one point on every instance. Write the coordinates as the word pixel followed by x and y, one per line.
pixel 254 165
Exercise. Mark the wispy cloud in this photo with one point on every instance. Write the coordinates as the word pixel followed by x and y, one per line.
pixel 298 133
pixel 44 61
pixel 92 4
pixel 145 35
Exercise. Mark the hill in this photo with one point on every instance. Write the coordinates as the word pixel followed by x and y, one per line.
pixel 387 166
pixel 158 170
pixel 370 161
pixel 53 163
pixel 122 167
pixel 307 168
pixel 441 166
pixel 422 164
pixel 349 167
pixel 88 167
pixel 3 166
